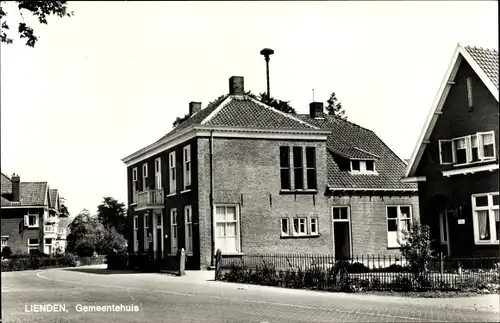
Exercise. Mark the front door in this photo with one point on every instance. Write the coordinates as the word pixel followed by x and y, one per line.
pixel 342 233
pixel 158 235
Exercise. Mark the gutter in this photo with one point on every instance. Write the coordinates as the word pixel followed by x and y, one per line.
pixel 212 235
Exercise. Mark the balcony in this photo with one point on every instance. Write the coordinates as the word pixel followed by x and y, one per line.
pixel 51 220
pixel 150 199
pixel 49 231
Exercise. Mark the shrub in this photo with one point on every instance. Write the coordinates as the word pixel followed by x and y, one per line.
pixel 402 283
pixel 84 248
pixel 68 260
pixel 34 261
pixel 357 267
pixel 6 252
pixel 118 261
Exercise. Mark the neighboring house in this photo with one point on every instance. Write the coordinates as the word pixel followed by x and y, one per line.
pixel 455 161
pixel 30 213
pixel 243 177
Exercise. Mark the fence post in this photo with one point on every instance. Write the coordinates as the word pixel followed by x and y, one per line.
pixel 182 262
pixel 441 264
pixel 218 263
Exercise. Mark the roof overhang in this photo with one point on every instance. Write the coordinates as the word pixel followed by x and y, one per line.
pixel 470 170
pixel 437 106
pixel 414 179
pixel 23 207
pixel 368 190
pixel 225 132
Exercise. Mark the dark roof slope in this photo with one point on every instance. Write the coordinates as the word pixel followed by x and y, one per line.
pixel 32 194
pixel 53 197
pixel 348 140
pixel 487 59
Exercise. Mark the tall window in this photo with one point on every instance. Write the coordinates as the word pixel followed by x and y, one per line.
pixel 188 221
pixel 146 227
pixel 158 185
pixel 398 220
pixel 298 170
pixel 187 166
pixel 285 168
pixel 285 227
pixel 311 168
pixel 227 228
pixel 136 233
pixel 468 149
pixel 134 185
pixel 485 218
pixel 5 241
pixel 31 220
pixel 173 231
pixel 171 172
pixel 144 177
pixel 470 100
pixel 299 226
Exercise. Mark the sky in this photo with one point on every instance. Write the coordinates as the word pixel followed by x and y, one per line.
pixel 111 79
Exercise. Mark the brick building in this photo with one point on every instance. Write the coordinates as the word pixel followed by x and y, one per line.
pixel 455 161
pixel 30 215
pixel 243 177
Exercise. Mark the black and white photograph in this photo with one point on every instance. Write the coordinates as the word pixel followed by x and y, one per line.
pixel 249 161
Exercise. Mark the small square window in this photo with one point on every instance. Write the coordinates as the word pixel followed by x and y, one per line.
pixel 370 165
pixel 355 165
pixel 482 200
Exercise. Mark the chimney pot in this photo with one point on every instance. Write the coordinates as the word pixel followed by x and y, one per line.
pixel 236 85
pixel 194 107
pixel 316 109
pixel 16 192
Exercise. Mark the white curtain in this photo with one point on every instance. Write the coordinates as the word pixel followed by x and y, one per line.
pixel 484 230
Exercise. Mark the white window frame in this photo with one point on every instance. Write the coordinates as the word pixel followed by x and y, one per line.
pixel 158 184
pixel 237 221
pixel 27 220
pixel 5 241
pixel 171 173
pixel 313 168
pixel 144 176
pixel 348 220
pixel 283 233
pixel 315 220
pixel 491 218
pixel 300 221
pixel 31 246
pixel 188 228
pixel 186 158
pixel 136 233
pixel 468 148
pixel 399 218
pixel 146 227
pixel 441 151
pixel 362 166
pixel 481 145
pixel 134 185
pixel 174 233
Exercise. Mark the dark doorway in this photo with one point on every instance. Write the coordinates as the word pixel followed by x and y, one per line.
pixel 342 233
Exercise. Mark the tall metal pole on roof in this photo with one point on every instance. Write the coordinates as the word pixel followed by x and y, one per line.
pixel 266 52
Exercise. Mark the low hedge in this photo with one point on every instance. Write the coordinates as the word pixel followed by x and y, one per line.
pixel 18 263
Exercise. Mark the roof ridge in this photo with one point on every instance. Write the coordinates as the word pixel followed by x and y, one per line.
pixel 489 49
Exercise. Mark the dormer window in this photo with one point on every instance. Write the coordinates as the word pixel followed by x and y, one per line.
pixel 362 166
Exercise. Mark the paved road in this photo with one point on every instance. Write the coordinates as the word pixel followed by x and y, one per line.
pixel 162 298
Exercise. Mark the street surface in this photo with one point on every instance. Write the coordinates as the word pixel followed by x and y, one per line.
pixel 163 298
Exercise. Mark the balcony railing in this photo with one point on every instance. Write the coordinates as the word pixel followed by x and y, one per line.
pixel 61 231
pixel 150 198
pixel 51 220
pixel 49 229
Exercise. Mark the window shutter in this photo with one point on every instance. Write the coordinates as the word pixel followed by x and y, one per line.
pixel 26 220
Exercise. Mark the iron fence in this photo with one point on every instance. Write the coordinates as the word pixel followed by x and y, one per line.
pixel 377 272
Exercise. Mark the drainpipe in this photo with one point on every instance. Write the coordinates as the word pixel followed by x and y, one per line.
pixel 212 199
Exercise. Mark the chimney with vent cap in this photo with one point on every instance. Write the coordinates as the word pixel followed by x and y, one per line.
pixel 316 110
pixel 236 86
pixel 194 107
pixel 16 192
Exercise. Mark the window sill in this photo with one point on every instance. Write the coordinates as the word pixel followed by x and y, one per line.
pixel 298 192
pixel 393 247
pixel 133 204
pixel 479 162
pixel 232 254
pixel 487 243
pixel 186 191
pixel 32 227
pixel 171 194
pixel 354 172
pixel 303 236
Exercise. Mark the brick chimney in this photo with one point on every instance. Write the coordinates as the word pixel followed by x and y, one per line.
pixel 316 109
pixel 16 190
pixel 236 85
pixel 194 107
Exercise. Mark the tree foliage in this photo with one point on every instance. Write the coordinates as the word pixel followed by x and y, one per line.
pixel 64 209
pixel 41 10
pixel 417 250
pixel 334 107
pixel 113 215
pixel 280 105
pixel 180 120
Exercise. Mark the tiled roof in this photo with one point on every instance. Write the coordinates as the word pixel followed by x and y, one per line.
pixel 6 184
pixel 53 196
pixel 350 140
pixel 32 194
pixel 246 112
pixel 241 111
pixel 487 59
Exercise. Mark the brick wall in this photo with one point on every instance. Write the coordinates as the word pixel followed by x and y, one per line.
pixel 13 227
pixel 247 172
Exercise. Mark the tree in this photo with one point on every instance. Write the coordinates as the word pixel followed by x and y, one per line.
pixel 64 209
pixel 283 106
pixel 334 107
pixel 85 232
pixel 38 9
pixel 113 214
pixel 180 120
